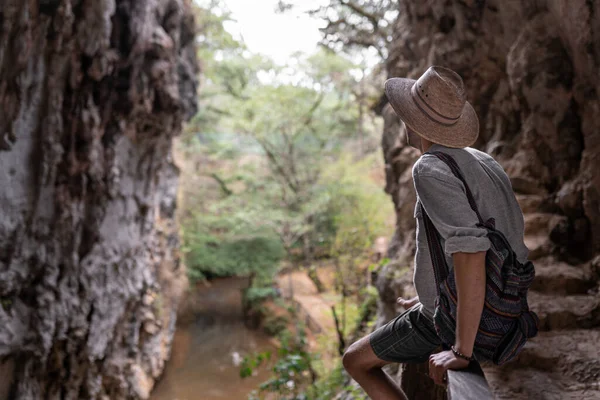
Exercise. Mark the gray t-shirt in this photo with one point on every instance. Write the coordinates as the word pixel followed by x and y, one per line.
pixel 443 197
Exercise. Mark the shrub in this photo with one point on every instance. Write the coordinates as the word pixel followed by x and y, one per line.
pixel 211 250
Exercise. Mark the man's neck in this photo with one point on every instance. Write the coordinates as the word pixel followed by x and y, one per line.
pixel 425 145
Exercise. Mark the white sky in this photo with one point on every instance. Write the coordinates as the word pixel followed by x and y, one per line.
pixel 276 35
pixel 279 35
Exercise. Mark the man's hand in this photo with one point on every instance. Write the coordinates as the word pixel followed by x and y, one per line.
pixel 407 303
pixel 441 362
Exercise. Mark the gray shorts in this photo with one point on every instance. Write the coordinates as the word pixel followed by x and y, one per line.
pixel 408 338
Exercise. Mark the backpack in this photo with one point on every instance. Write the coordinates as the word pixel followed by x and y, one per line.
pixel 506 321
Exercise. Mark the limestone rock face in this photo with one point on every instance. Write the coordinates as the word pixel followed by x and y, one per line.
pixel 530 69
pixel 531 72
pixel 92 93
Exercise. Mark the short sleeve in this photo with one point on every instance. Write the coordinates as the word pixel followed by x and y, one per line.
pixel 444 200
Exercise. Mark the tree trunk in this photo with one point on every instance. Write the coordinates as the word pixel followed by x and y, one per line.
pixel 91 95
pixel 312 274
pixel 340 333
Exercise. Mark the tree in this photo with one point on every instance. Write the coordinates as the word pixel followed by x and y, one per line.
pixel 291 120
pixel 300 128
pixel 228 68
pixel 355 24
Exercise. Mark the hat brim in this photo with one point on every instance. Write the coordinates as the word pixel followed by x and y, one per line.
pixel 463 133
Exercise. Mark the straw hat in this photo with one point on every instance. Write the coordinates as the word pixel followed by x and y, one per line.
pixel 435 107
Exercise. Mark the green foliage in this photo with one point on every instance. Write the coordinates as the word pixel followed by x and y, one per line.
pixel 328 386
pixel 213 246
pixel 293 125
pixel 256 295
pixel 295 130
pixel 368 307
pixel 378 265
pixel 291 369
pixel 352 315
pixel 289 129
pixel 212 35
pixel 274 324
pixel 360 209
pixel 250 363
pixel 294 364
pixel 333 383
pixel 276 148
pixel 356 392
pixel 283 178
pixel 293 361
pixel 227 66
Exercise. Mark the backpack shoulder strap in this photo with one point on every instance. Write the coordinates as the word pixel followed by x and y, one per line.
pixel 453 165
pixel 436 252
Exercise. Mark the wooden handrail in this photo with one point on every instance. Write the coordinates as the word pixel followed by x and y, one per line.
pixel 468 384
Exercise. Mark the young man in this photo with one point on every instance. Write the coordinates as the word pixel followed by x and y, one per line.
pixel 438 118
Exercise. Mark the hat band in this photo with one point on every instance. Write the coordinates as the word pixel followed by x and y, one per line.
pixel 431 114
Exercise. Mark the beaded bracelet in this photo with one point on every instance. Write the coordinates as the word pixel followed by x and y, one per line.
pixel 460 355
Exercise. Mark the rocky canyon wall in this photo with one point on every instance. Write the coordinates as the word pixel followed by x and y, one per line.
pixel 531 71
pixel 92 93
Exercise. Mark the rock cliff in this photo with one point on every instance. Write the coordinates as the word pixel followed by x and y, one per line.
pixel 531 71
pixel 92 93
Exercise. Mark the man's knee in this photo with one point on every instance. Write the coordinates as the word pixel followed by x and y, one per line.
pixel 350 358
pixel 358 357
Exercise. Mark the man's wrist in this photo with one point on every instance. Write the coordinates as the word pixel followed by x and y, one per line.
pixel 458 354
pixel 467 351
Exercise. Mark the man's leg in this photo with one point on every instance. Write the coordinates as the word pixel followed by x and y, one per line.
pixel 366 368
pixel 409 337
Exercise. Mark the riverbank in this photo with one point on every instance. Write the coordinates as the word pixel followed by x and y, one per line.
pixel 212 339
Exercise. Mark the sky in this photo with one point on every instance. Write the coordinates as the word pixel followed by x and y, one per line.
pixel 272 34
pixel 279 35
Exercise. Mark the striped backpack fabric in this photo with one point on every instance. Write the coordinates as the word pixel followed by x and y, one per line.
pixel 506 321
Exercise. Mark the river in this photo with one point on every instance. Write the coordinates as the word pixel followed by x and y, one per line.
pixel 209 344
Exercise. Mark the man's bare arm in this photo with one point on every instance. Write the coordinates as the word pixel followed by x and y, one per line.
pixel 469 270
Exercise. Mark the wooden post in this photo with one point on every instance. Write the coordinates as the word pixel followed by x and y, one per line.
pixel 417 385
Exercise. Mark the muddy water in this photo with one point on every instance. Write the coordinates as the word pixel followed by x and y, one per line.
pixel 207 347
